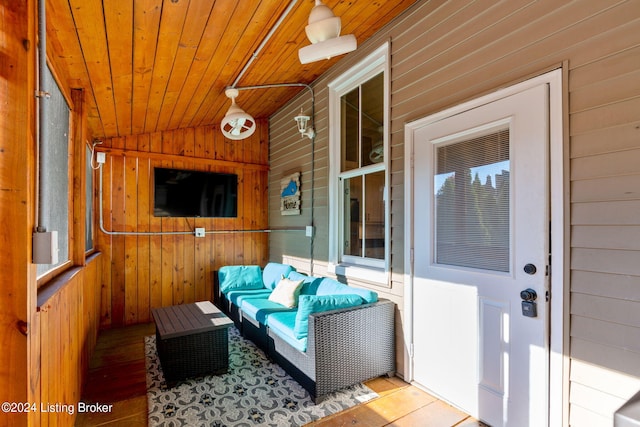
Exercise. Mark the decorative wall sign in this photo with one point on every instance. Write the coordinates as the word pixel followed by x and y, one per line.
pixel 290 194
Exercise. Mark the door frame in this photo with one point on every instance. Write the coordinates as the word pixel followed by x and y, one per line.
pixel 554 79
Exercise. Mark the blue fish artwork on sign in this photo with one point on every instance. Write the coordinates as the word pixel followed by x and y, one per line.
pixel 290 190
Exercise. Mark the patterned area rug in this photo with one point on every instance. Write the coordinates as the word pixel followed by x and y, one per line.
pixel 255 392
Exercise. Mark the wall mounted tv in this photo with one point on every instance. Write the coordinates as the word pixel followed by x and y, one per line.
pixel 188 193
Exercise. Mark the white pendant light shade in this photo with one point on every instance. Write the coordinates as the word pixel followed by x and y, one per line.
pixel 236 124
pixel 323 32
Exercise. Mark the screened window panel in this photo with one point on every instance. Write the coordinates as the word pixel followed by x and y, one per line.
pixel 88 234
pixel 56 215
pixel 472 202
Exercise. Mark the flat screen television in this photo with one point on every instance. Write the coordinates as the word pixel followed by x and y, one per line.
pixel 189 193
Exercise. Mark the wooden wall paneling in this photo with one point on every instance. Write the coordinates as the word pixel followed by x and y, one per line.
pixel 217 142
pixel 167 253
pixel 156 286
pixel 78 146
pixel 118 248
pixel 155 145
pixel 178 254
pixel 104 242
pixel 199 143
pixel 67 330
pixel 143 243
pixel 201 246
pixel 131 194
pixel 200 261
pixel 45 362
pixel 245 214
pixel 189 242
pixel 178 268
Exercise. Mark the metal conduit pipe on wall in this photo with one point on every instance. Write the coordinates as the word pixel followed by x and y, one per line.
pixel 165 233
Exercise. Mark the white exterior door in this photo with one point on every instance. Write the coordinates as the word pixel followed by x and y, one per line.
pixel 481 237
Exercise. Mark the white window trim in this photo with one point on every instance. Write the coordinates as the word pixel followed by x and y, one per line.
pixel 372 271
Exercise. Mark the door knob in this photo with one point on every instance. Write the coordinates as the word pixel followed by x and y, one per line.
pixel 530 269
pixel 528 295
pixel 529 306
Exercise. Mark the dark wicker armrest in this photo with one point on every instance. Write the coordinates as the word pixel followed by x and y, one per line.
pixel 352 345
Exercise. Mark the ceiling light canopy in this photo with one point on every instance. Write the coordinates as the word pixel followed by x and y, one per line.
pixel 236 124
pixel 323 32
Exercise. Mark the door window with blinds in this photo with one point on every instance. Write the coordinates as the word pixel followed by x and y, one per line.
pixel 472 202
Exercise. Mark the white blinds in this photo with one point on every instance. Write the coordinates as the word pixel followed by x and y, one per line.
pixel 472 202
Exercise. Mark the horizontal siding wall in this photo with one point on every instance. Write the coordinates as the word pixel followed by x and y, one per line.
pixel 143 272
pixel 446 52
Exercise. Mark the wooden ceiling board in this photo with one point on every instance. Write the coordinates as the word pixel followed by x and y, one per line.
pixel 88 17
pixel 234 49
pixel 156 65
pixel 118 18
pixel 146 22
pixel 192 35
pixel 169 32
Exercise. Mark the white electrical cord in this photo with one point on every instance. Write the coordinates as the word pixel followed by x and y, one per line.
pixel 93 150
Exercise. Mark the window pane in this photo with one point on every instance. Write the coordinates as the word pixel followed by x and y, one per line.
pixel 472 202
pixel 372 118
pixel 362 116
pixel 353 216
pixel 350 125
pixel 56 178
pixel 373 231
pixel 364 216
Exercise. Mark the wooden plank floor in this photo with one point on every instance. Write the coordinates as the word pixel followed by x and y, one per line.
pixel 117 377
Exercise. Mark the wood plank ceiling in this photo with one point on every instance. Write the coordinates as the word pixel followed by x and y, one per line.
pixel 154 65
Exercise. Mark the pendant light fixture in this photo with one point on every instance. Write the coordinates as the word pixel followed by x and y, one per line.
pixel 236 124
pixel 323 32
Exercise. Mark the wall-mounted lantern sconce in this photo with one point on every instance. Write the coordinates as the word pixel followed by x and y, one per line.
pixel 302 122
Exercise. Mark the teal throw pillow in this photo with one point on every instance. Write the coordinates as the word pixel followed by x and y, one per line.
pixel 235 277
pixel 308 304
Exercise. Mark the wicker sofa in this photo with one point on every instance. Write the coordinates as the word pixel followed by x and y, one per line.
pixel 349 335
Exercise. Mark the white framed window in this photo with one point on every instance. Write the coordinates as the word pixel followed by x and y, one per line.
pixel 358 171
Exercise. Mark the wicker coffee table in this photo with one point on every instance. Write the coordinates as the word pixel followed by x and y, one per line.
pixel 192 340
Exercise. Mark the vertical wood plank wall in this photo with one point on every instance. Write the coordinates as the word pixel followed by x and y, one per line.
pixel 17 277
pixel 446 52
pixel 68 324
pixel 142 272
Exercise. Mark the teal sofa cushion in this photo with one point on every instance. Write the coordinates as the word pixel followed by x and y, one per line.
pixel 239 277
pixel 237 296
pixel 259 308
pixel 308 304
pixel 282 324
pixel 328 286
pixel 273 272
pixel 309 283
